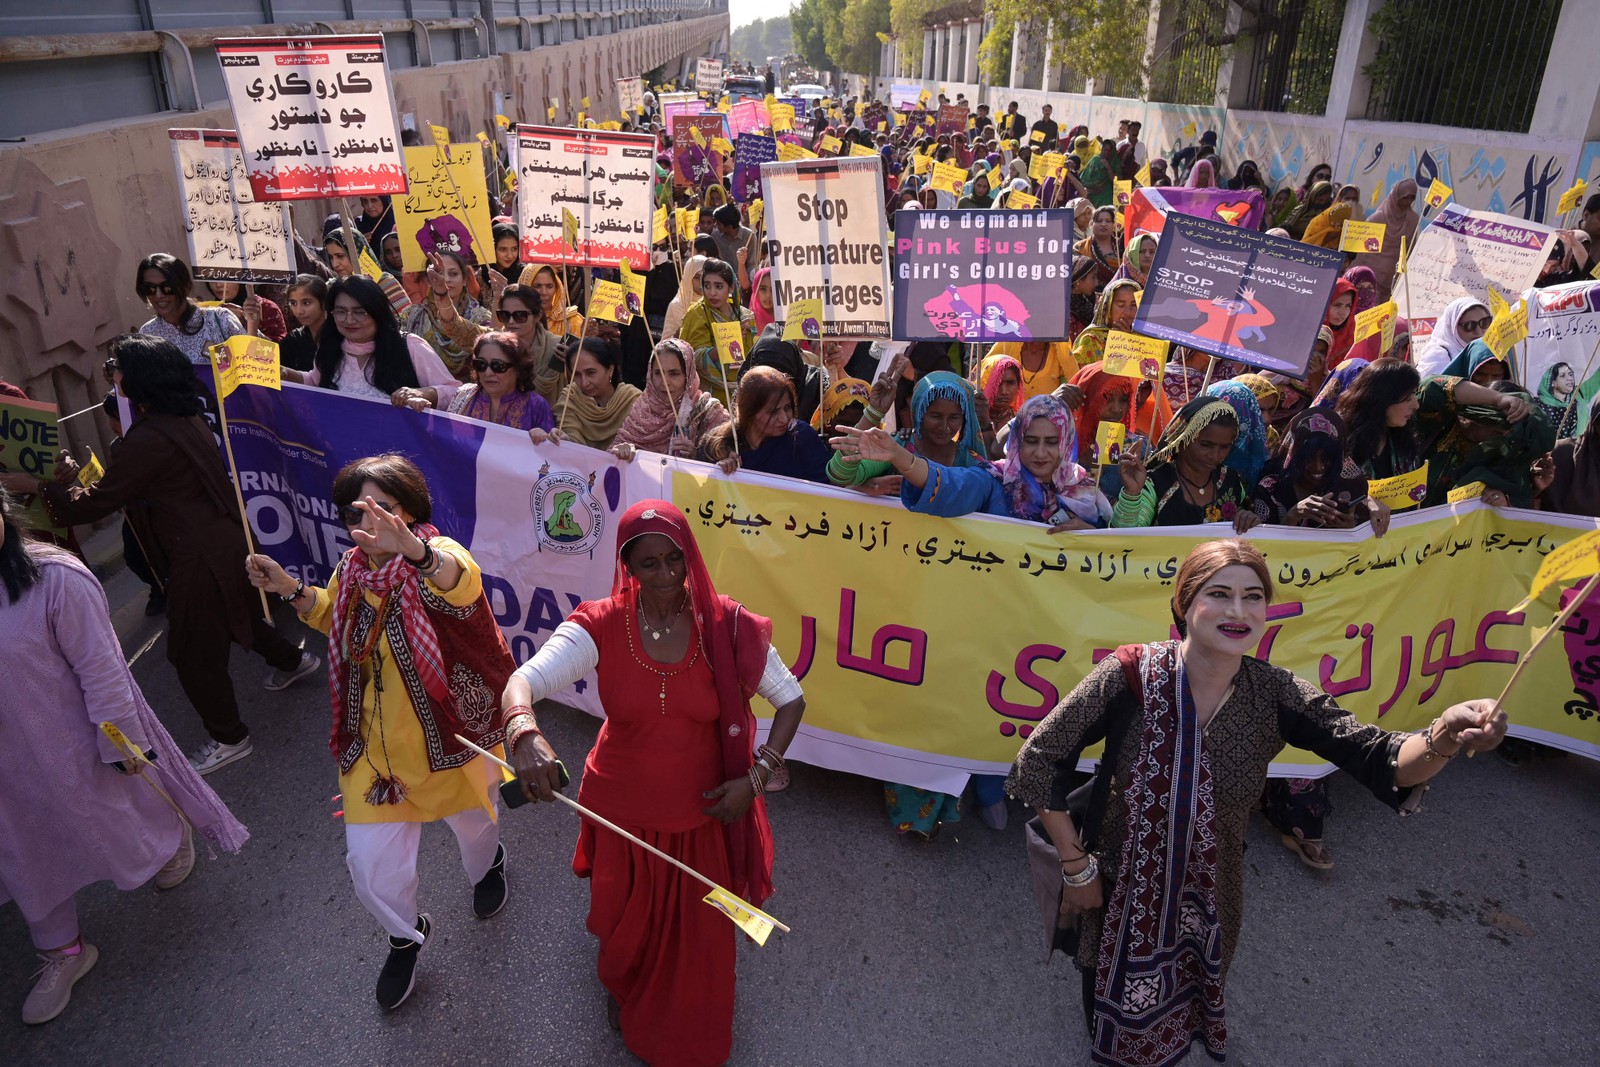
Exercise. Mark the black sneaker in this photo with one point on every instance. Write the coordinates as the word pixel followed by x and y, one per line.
pixel 489 895
pixel 399 972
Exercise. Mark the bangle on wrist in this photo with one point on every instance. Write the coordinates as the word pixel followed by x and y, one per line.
pixel 299 591
pixel 1431 750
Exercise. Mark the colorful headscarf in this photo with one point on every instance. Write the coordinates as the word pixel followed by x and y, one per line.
pixel 652 420
pixel 1344 334
pixel 1188 423
pixel 1338 382
pixel 990 373
pixel 1260 386
pixel 1249 452
pixel 1475 355
pixel 1364 298
pixel 840 395
pixel 764 317
pixel 1326 229
pixel 1071 486
pixel 947 385
pixel 1097 387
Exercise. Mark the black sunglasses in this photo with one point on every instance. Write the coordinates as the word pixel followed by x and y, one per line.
pixel 516 316
pixel 1476 324
pixel 351 515
pixel 160 287
pixel 499 366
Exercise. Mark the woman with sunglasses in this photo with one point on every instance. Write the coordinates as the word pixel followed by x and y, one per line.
pixel 522 314
pixel 362 352
pixel 502 386
pixel 165 284
pixel 415 658
pixel 1461 322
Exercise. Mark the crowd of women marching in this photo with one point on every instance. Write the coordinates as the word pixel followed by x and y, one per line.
pixel 415 662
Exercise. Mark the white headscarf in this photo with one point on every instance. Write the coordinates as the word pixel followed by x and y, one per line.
pixel 686 296
pixel 1445 344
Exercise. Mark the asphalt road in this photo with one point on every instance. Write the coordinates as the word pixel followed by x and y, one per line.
pixel 1465 935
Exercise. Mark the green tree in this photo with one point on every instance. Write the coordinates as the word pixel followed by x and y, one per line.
pixel 757 40
pixel 810 21
pixel 853 39
pixel 1099 39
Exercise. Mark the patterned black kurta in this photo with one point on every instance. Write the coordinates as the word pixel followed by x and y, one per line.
pixel 1269 708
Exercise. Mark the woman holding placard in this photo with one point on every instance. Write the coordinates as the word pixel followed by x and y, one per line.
pixel 1159 902
pixel 1115 310
pixel 716 304
pixel 1187 481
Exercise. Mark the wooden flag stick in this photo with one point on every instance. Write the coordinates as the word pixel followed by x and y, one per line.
pixel 614 828
pixel 1527 657
pixel 238 494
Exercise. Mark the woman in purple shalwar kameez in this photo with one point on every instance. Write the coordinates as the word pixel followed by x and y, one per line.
pixel 70 815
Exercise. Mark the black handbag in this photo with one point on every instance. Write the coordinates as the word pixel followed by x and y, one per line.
pixel 1086 804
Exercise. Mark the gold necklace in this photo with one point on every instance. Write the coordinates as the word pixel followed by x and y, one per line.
pixel 656 635
pixel 641 660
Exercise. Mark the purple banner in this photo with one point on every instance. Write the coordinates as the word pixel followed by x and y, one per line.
pixel 1238 294
pixel 749 153
pixel 982 275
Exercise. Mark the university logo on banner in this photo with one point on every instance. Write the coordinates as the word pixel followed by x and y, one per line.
pixel 982 275
pixel 315 116
pixel 566 515
pixel 1238 294
pixel 232 236
pixel 826 240
pixel 606 180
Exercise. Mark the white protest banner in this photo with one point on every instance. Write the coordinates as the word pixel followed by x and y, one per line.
pixel 904 96
pixel 708 74
pixel 1563 370
pixel 604 178
pixel 630 95
pixel 826 240
pixel 315 116
pixel 232 236
pixel 446 206
pixel 1460 253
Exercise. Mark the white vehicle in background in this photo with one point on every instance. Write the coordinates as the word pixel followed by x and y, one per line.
pixel 807 91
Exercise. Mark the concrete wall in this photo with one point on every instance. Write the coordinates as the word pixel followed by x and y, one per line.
pixel 82 206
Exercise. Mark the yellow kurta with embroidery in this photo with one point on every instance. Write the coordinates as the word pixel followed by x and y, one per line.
pixel 430 794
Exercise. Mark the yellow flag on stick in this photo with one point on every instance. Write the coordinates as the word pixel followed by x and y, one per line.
pixel 1578 558
pixel 1497 303
pixel 831 144
pixel 1143 177
pixel 1122 192
pixel 804 321
pixel 502 122
pixel 730 343
pixel 1571 198
pixel 948 179
pixel 752 920
pixel 658 225
pixel 1361 236
pixel 1019 199
pixel 609 301
pixel 633 289
pixel 1507 330
pixel 756 212
pixel 1132 355
pixel 569 229
pixel 91 471
pixel 1438 193
pixel 441 138
pixel 245 360
pixel 1461 494
pixel 1380 319
pixel 1109 438
pixel 1401 491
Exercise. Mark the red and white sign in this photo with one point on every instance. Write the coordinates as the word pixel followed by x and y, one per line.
pixel 315 116
pixel 607 181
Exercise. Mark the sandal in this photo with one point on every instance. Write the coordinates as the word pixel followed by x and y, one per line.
pixel 1313 854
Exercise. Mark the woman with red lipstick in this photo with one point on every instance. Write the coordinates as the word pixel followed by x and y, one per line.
pixel 1194 723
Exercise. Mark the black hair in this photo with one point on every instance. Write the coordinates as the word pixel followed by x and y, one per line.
pixel 1591 205
pixel 391 366
pixel 727 215
pixel 604 352
pixel 722 269
pixel 706 245
pixel 528 295
pixel 317 285
pixel 18 570
pixel 502 230
pixel 156 376
pixel 176 272
pixel 1364 406
pixel 394 474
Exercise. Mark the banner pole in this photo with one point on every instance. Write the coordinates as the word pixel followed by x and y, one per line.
pixel 350 248
pixel 233 466
pixel 1211 366
pixel 583 328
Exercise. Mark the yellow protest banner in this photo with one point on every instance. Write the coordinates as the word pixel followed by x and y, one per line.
pixel 730 343
pixel 785 112
pixel 245 360
pixel 1021 200
pixel 788 153
pixel 609 301
pixel 1438 193
pixel 658 225
pixel 948 179
pixel 752 920
pixel 446 207
pixel 1507 330
pixel 1122 192
pixel 1109 438
pixel 91 471
pixel 1190 129
pixel 1143 177
pixel 1361 236
pixel 1377 320
pixel 441 138
pixel 1461 494
pixel 1132 355
pixel 861 150
pixel 755 212
pixel 569 229
pixel 805 320
pixel 1571 198
pixel 831 144
pixel 1401 491
pixel 369 266
pixel 1497 304
pixel 719 144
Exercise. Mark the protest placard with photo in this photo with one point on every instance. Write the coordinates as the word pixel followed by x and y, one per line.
pixel 826 238
pixel 233 237
pixel 446 206
pixel 1238 294
pixel 1461 253
pixel 315 116
pixel 1561 369
pixel 982 275
pixel 695 163
pixel 605 179
pixel 748 155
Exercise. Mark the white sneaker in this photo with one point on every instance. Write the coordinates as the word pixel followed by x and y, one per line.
pixel 284 679
pixel 182 862
pixel 50 993
pixel 214 754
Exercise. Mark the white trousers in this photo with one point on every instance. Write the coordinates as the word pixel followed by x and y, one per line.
pixel 382 857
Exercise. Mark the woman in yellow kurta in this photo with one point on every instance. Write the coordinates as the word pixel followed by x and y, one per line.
pixel 560 317
pixel 1045 365
pixel 1115 310
pixel 415 657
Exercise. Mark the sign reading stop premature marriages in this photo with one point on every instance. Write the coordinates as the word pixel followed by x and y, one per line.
pixel 826 239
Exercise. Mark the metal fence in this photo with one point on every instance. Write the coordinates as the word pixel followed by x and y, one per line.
pixel 1290 52
pixel 1474 63
pixel 1187 74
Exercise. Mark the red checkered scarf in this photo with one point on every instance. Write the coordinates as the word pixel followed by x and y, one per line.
pixel 358 578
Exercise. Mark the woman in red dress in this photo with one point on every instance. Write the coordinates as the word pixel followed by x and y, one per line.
pixel 676 764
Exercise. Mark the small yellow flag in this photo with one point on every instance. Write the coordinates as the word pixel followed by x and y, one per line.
pixel 1438 193
pixel 1401 491
pixel 804 321
pixel 1377 194
pixel 245 360
pixel 1017 199
pixel 1109 438
pixel 1143 177
pixel 586 103
pixel 1037 137
pixel 861 150
pixel 569 229
pixel 633 287
pixel 1497 303
pixel 658 225
pixel 721 146
pixel 609 301
pixel 370 268
pixel 755 212
pixel 502 122
pixel 1572 197
pixel 1132 355
pixel 949 179
pixel 730 342
pixel 752 920
pixel 688 222
pixel 831 144
pixel 91 471
pixel 1461 494
pixel 1122 191
pixel 1361 236
pixel 1377 320
pixel 788 153
pixel 1506 330
pixel 697 137
pixel 550 113
pixel 441 137
pixel 1578 558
